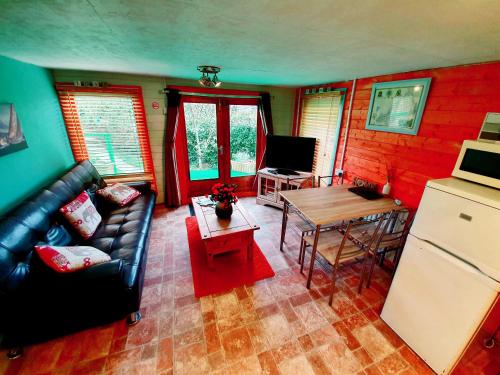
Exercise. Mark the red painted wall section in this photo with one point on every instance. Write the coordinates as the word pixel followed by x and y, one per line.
pixel 458 100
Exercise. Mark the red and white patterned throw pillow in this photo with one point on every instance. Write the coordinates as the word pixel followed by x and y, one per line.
pixel 82 215
pixel 119 193
pixel 71 258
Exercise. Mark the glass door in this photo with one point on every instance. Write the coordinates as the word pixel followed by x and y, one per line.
pixel 223 143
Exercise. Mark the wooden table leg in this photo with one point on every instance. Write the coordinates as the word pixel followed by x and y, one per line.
pixel 250 250
pixel 313 256
pixel 210 259
pixel 284 222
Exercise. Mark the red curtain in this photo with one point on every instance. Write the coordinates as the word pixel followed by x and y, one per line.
pixel 172 191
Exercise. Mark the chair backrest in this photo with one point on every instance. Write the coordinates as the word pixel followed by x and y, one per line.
pixel 295 183
pixel 328 180
pixel 395 229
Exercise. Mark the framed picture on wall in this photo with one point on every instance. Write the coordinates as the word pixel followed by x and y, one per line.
pixel 397 106
pixel 11 134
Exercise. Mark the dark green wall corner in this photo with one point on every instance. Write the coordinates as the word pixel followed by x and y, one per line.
pixel 31 89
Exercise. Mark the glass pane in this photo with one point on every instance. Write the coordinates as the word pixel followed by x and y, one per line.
pixel 243 139
pixel 201 130
pixel 110 133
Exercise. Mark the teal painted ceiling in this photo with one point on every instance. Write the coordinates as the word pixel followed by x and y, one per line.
pixel 273 42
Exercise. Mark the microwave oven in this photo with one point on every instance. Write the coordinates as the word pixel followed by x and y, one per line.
pixel 479 162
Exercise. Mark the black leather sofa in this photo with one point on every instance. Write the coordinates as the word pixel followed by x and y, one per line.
pixel 37 303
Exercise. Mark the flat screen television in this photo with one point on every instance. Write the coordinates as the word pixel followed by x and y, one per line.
pixel 290 153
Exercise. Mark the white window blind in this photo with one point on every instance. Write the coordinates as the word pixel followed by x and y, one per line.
pixel 110 132
pixel 319 119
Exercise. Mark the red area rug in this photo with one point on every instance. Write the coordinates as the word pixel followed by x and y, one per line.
pixel 231 269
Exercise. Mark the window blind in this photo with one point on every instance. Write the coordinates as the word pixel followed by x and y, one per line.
pixel 319 119
pixel 108 127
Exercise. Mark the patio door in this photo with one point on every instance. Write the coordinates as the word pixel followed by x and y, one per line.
pixel 222 142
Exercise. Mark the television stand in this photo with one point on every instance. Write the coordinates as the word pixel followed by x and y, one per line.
pixel 284 171
pixel 271 183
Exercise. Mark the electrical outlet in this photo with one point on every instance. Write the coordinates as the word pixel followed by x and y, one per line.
pixel 339 172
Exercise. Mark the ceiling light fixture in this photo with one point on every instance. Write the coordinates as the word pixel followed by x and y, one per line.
pixel 206 71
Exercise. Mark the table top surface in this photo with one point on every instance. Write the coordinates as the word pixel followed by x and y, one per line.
pixel 211 226
pixel 326 205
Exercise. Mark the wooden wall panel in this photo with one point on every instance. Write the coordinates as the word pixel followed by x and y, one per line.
pixel 458 100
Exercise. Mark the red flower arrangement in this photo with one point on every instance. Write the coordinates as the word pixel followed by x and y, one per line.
pixel 224 193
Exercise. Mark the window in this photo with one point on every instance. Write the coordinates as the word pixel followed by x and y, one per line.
pixel 108 127
pixel 320 119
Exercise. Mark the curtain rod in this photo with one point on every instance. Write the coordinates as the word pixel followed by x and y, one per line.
pixel 186 93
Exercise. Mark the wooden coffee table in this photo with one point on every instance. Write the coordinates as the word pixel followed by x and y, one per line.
pixel 223 235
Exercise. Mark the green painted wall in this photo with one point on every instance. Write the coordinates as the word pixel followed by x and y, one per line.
pixel 22 173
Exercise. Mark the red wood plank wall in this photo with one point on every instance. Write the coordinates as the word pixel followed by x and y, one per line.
pixel 458 100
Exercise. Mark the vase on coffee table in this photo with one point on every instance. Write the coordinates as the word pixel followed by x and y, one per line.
pixel 223 210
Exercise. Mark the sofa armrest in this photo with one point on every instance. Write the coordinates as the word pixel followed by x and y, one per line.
pixel 107 270
pixel 142 186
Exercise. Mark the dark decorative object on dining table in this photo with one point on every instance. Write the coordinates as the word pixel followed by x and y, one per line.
pixel 223 195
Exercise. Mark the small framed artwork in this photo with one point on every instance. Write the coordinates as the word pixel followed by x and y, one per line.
pixel 397 106
pixel 11 134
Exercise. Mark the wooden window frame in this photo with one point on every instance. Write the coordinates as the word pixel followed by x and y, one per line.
pixel 66 93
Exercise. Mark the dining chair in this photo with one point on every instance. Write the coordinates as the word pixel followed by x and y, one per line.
pixel 338 248
pixel 329 180
pixel 393 234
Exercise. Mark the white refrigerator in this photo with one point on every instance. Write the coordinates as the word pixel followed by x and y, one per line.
pixel 449 273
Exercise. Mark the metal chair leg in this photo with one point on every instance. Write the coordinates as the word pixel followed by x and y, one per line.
pixel 372 267
pixel 334 277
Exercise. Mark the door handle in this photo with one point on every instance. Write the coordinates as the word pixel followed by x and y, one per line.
pixel 221 150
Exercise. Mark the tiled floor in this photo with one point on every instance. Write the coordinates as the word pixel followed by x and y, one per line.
pixel 276 326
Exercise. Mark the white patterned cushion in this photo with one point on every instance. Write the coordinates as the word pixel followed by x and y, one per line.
pixel 71 258
pixel 119 193
pixel 82 215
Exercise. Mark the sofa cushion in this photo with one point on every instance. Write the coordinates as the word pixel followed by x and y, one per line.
pixel 82 215
pixel 71 258
pixel 119 194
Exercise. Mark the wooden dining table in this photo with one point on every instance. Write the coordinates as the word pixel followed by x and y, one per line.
pixel 327 205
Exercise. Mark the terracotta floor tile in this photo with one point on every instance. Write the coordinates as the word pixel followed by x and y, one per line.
pixel 349 339
pixel 389 334
pixel 241 293
pixel 296 365
pixel 277 330
pixel 318 364
pixel 143 333
pixel 185 300
pixel 40 358
pixel 237 344
pixel 392 364
pixel 373 341
pixel 286 351
pixel 96 342
pixel 92 367
pixel 216 360
pixel 246 366
pixel 343 306
pixel 191 360
pixel 268 364
pixel 212 338
pixel 267 310
pixel 258 336
pixel 311 316
pixel 226 305
pixel 363 357
pixel 340 359
pixel 306 343
pixel 415 361
pixel 165 354
pixel 355 321
pixel 300 299
pixel 189 337
pixel 121 361
pixel 187 318
pixel 324 335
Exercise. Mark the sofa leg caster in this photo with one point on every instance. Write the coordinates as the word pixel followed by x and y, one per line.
pixel 15 353
pixel 134 318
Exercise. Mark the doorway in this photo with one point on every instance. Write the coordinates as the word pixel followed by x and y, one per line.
pixel 221 141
